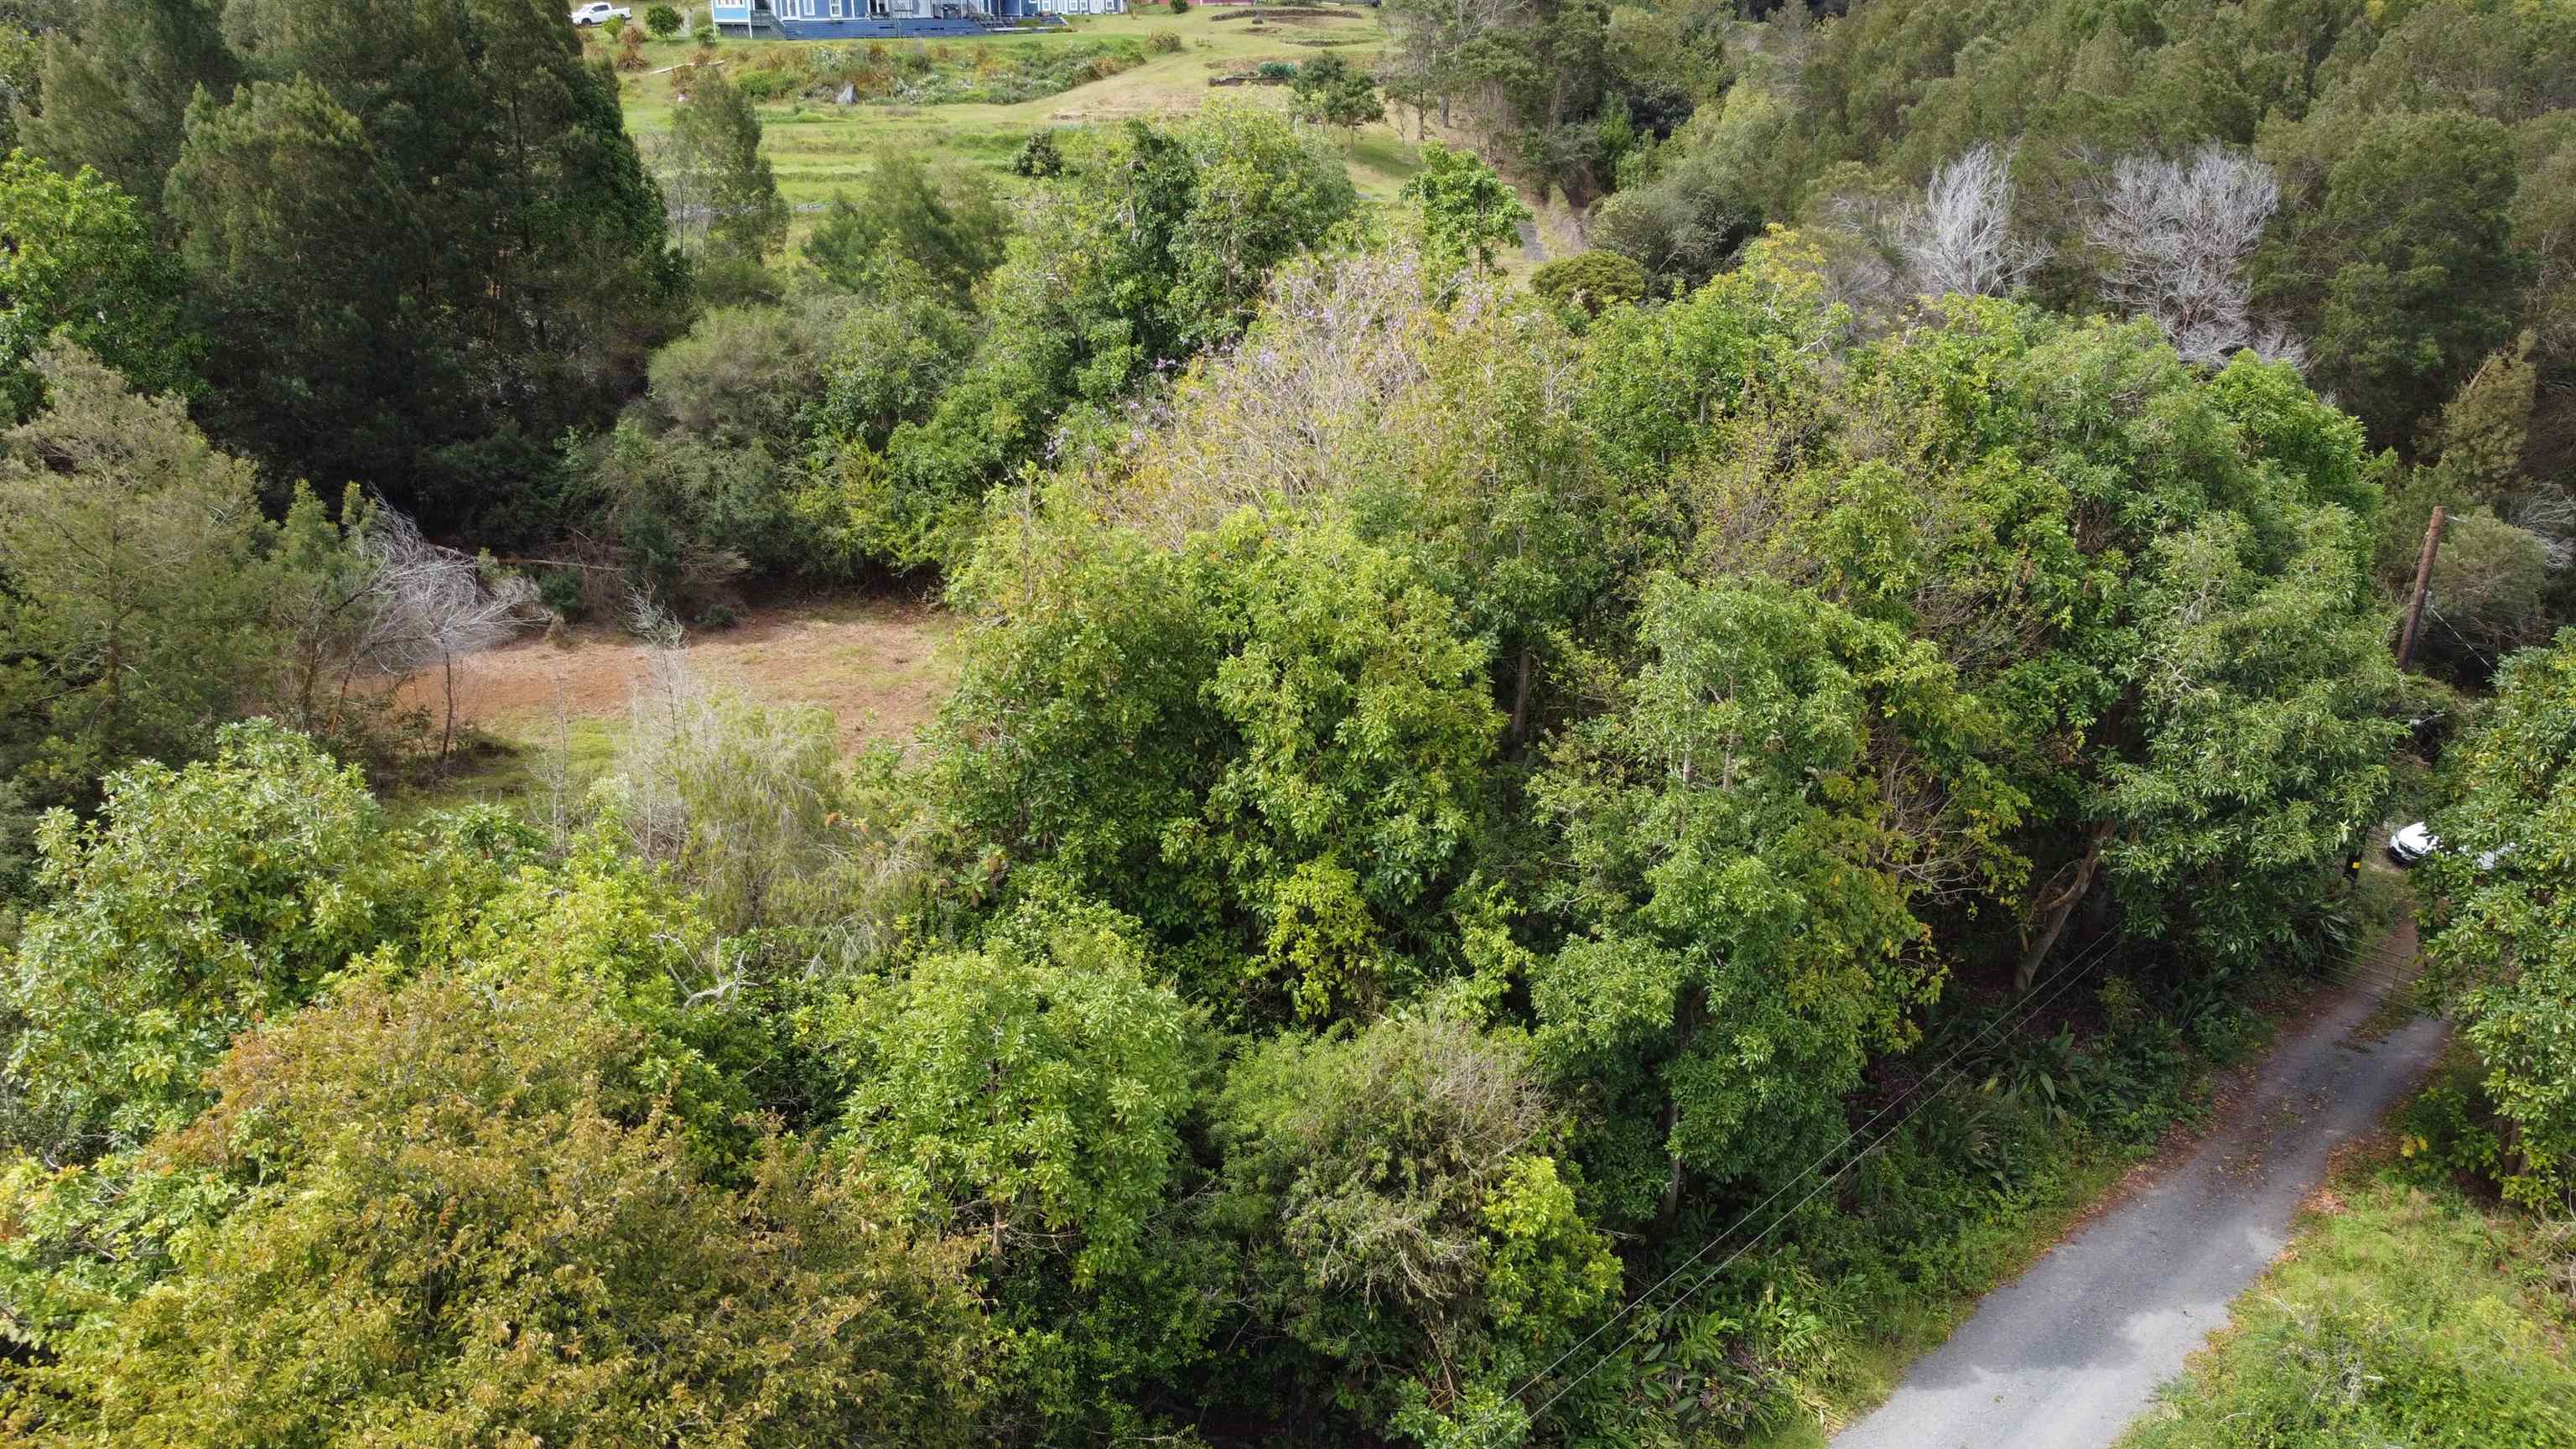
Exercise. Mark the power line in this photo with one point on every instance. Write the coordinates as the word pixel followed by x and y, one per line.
pixel 2444 620
pixel 2065 979
pixel 2345 974
pixel 1748 1214
pixel 2030 1002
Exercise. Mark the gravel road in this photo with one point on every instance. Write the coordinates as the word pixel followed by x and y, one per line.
pixel 2068 1356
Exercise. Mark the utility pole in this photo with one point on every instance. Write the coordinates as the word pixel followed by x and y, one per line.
pixel 2423 584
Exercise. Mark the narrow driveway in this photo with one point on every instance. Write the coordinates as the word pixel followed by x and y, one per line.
pixel 2068 1356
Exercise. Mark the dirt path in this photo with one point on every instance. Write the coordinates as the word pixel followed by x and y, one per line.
pixel 2068 1356
pixel 879 666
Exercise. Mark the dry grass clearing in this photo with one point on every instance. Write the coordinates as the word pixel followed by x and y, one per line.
pixel 880 666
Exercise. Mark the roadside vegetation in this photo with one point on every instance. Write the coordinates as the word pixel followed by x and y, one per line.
pixel 1478 864
pixel 2431 1296
pixel 2409 1310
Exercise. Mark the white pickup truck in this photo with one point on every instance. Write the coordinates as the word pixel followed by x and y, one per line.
pixel 598 11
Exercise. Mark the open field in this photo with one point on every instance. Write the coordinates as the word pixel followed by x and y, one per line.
pixel 819 148
pixel 881 667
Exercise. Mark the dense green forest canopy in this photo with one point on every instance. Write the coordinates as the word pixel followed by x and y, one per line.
pixel 1458 795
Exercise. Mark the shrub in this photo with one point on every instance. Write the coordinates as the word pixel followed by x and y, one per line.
pixel 1466 210
pixel 945 219
pixel 616 27
pixel 583 1274
pixel 1180 7
pixel 1482 1264
pixel 1165 43
pixel 763 84
pixel 1331 93
pixel 630 50
pixel 1594 281
pixel 1089 1062
pixel 1038 157
pixel 197 902
pixel 663 21
pixel 561 591
pixel 706 35
pixel 1277 70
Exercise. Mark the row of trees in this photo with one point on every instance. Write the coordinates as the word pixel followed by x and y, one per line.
pixel 2500 899
pixel 549 383
pixel 1453 795
pixel 951 341
pixel 399 250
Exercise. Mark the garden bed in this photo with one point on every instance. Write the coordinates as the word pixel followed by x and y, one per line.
pixel 933 73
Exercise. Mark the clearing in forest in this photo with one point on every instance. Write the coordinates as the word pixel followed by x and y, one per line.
pixel 880 666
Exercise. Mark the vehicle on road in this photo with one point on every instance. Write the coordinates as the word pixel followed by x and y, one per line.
pixel 2409 844
pixel 597 12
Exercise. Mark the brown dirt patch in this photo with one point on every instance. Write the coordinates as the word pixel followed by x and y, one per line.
pixel 880 666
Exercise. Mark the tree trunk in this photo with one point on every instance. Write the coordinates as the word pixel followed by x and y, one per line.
pixel 1521 695
pixel 447 734
pixel 2055 913
pixel 1672 1203
pixel 1685 1028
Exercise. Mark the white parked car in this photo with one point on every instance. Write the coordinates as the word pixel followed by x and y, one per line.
pixel 598 11
pixel 2411 843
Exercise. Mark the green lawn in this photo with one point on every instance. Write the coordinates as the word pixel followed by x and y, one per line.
pixel 820 147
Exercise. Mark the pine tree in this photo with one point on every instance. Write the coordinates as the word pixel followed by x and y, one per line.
pixel 113 89
pixel 723 197
pixel 130 548
pixel 425 245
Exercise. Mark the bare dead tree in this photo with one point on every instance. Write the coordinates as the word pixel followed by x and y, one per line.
pixel 1959 238
pixel 1865 264
pixel 2177 235
pixel 371 599
pixel 427 604
pixel 1294 409
pixel 2547 512
pixel 666 711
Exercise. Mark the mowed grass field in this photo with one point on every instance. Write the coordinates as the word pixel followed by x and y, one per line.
pixel 818 148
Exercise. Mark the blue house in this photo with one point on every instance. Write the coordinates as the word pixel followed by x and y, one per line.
pixel 886 19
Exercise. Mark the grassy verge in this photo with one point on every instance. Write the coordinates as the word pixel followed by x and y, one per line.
pixel 2406 1312
pixel 523 775
pixel 1911 1297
